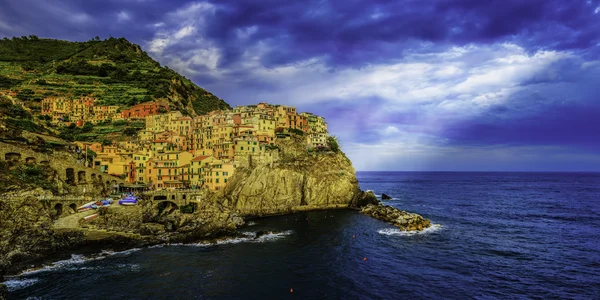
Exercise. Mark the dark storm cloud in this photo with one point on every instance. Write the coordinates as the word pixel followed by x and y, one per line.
pixel 307 53
pixel 354 32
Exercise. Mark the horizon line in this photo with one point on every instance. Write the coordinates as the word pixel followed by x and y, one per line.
pixel 481 171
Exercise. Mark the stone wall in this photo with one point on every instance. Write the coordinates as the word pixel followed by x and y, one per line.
pixel 71 176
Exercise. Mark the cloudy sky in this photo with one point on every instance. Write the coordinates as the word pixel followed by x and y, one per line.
pixel 465 85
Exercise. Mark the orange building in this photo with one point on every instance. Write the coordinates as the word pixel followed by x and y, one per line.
pixel 142 110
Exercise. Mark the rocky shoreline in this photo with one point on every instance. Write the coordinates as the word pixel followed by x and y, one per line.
pixel 404 220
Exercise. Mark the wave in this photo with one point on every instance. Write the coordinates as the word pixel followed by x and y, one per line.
pixel 251 223
pixel 124 252
pixel 17 284
pixel 77 259
pixel 395 231
pixel 248 237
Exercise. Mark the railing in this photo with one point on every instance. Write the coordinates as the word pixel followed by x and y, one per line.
pixel 173 191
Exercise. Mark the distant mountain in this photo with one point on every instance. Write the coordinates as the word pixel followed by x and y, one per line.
pixel 114 71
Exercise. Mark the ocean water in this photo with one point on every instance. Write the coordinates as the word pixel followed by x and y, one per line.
pixel 495 236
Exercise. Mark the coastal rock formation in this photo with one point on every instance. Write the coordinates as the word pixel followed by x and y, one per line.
pixel 399 218
pixel 385 197
pixel 299 181
pixel 364 199
pixel 152 223
pixel 26 234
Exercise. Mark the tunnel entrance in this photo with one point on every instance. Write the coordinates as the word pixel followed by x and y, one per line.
pixel 72 208
pixel 81 177
pixel 58 208
pixel 70 176
pixel 12 156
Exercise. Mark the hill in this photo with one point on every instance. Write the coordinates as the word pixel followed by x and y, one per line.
pixel 114 71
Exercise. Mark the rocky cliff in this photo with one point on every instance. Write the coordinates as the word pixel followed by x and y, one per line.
pixel 300 180
pixel 26 233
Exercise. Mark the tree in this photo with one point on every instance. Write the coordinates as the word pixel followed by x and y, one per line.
pixel 129 131
pixel 333 143
pixel 25 95
pixel 87 127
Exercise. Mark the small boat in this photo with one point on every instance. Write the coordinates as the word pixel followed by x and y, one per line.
pixel 129 200
pixel 87 218
pixel 86 206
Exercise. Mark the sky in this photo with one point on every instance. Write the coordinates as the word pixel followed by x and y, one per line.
pixel 413 85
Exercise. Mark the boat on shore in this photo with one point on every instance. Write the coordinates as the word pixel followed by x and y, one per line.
pixel 87 218
pixel 129 200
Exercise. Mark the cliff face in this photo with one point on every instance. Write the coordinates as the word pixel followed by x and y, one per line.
pixel 26 234
pixel 299 181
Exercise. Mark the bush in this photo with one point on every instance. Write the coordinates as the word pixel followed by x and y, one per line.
pixel 296 131
pixel 332 142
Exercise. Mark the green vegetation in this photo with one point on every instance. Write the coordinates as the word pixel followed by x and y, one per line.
pixel 115 71
pixel 333 143
pixel 18 175
pixel 296 131
pixel 103 133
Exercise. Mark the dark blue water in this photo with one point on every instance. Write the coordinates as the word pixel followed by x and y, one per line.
pixel 497 236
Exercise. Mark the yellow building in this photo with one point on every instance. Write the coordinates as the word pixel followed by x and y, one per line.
pixel 219 173
pixel 198 166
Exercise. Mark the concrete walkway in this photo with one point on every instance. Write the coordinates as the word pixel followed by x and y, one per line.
pixel 72 221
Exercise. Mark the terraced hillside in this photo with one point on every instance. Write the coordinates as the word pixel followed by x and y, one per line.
pixel 114 71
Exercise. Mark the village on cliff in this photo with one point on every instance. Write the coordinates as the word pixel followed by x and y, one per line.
pixel 176 151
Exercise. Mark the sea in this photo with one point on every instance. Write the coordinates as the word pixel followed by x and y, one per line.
pixel 494 236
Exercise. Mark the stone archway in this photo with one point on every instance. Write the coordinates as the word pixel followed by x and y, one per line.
pixel 12 156
pixel 58 208
pixel 166 206
pixel 44 163
pixel 30 160
pixel 81 177
pixel 70 172
pixel 72 208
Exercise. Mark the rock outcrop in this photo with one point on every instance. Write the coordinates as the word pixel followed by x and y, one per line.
pixel 385 197
pixel 299 181
pixel 399 218
pixel 26 233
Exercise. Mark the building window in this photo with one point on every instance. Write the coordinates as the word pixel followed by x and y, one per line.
pixel 217 180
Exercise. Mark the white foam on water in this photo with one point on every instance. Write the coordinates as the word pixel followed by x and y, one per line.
pixel 78 259
pixel 17 284
pixel 248 237
pixel 251 223
pixel 124 252
pixel 396 231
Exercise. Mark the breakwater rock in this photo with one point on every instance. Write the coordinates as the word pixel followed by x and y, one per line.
pixel 399 218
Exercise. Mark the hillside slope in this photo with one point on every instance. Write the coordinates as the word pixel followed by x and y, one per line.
pixel 114 71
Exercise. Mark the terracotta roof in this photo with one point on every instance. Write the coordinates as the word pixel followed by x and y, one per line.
pixel 160 141
pixel 200 158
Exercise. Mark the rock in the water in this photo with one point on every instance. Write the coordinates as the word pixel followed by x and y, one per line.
pixel 364 199
pixel 399 218
pixel 385 197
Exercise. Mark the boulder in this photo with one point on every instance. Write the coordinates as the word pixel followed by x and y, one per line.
pixel 385 197
pixel 364 199
pixel 399 218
